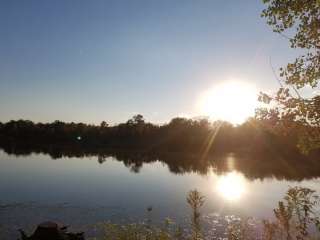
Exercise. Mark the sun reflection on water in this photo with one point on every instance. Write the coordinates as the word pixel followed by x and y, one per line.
pixel 231 186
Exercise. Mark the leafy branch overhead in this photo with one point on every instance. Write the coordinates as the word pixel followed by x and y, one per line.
pixel 299 22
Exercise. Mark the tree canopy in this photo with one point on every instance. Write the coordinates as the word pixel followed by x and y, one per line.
pixel 299 22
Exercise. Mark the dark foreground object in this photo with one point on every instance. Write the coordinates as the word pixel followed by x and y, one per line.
pixel 52 231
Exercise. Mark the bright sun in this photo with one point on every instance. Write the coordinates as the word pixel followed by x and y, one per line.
pixel 232 101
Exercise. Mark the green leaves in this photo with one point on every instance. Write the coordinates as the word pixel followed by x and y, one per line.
pixel 299 22
pixel 303 15
pixel 265 98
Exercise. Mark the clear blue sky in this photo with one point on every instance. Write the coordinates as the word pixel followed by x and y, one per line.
pixel 107 60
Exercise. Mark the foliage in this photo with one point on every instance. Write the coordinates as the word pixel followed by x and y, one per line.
pixel 169 231
pixel 242 229
pixel 299 22
pixel 197 136
pixel 195 201
pixel 294 216
pixel 138 232
pixel 184 145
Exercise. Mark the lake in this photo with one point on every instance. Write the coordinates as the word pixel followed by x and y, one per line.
pixel 83 189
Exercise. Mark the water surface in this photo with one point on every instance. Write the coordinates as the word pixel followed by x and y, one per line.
pixel 87 189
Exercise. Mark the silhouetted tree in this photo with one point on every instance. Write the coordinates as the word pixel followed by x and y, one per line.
pixel 197 136
pixel 103 124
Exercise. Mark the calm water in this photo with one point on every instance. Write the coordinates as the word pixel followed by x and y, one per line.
pixel 84 190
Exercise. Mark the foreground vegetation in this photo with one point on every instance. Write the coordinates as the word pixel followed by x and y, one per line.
pixel 295 217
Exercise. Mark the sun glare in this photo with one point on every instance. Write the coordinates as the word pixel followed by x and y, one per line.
pixel 231 186
pixel 232 101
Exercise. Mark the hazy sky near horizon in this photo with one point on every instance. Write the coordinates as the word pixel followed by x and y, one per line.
pixel 106 60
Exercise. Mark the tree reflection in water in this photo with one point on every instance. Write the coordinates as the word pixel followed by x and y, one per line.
pixel 252 165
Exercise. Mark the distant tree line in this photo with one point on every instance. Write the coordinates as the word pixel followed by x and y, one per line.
pixel 198 136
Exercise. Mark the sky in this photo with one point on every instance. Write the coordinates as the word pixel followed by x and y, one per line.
pixel 89 61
